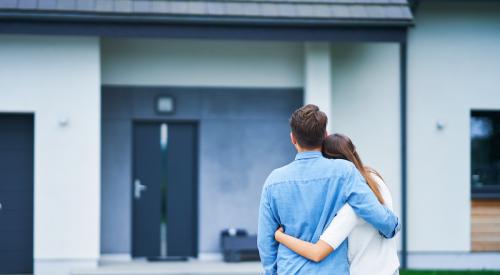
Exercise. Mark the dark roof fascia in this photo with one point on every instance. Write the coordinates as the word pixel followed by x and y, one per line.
pixel 195 27
pixel 190 19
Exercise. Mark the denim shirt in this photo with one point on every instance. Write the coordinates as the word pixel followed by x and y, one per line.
pixel 303 197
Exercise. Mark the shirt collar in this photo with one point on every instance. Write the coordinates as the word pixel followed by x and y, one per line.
pixel 308 155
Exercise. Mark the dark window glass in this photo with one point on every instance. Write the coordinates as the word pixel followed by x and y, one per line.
pixel 485 154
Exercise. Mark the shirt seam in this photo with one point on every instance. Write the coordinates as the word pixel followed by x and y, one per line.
pixel 295 181
pixel 346 177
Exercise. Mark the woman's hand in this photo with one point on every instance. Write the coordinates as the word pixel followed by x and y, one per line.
pixel 278 233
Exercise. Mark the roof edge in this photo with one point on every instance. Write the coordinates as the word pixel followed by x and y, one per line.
pixel 50 16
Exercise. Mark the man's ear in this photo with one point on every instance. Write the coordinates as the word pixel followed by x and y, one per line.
pixel 292 139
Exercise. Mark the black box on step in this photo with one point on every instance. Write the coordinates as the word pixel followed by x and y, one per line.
pixel 238 246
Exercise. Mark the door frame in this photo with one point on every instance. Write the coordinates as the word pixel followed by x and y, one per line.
pixel 196 217
pixel 32 116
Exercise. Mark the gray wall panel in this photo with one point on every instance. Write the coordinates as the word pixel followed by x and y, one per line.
pixel 237 155
pixel 116 104
pixel 115 188
pixel 187 103
pixel 247 104
pixel 243 136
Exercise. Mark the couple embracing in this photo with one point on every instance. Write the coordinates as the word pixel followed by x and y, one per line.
pixel 325 212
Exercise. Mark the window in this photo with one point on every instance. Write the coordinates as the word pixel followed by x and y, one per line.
pixel 485 154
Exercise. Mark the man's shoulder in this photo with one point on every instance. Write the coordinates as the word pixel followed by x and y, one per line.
pixel 326 167
pixel 336 163
pixel 343 165
pixel 335 167
pixel 278 175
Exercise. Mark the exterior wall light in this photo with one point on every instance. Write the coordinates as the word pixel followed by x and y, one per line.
pixel 165 104
pixel 440 125
pixel 63 122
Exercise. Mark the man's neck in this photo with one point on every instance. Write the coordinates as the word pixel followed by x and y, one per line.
pixel 303 150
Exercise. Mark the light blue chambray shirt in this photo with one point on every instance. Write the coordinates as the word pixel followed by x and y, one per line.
pixel 303 197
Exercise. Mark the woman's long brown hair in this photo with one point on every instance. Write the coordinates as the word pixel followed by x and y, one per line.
pixel 338 146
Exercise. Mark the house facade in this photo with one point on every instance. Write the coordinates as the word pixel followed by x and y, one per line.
pixel 105 103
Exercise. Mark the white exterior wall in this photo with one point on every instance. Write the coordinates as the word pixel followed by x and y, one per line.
pixel 208 63
pixel 365 106
pixel 453 66
pixel 318 75
pixel 59 78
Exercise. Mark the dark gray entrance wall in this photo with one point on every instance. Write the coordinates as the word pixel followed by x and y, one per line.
pixel 243 136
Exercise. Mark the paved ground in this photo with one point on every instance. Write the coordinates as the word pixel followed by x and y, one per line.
pixel 191 267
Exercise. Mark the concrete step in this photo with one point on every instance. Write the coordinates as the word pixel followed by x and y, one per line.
pixel 191 267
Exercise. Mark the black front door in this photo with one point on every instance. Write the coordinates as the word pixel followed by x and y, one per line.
pixel 164 189
pixel 16 194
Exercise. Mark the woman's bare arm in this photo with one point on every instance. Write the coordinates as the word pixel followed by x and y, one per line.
pixel 313 251
pixel 338 230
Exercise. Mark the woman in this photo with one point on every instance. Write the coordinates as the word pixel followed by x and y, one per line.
pixel 368 251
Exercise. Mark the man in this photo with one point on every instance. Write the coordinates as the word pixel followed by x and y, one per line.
pixel 305 195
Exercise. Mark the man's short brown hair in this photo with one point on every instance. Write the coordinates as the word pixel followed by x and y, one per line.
pixel 308 125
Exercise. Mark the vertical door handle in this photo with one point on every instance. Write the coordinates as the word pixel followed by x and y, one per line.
pixel 138 189
pixel 0 206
